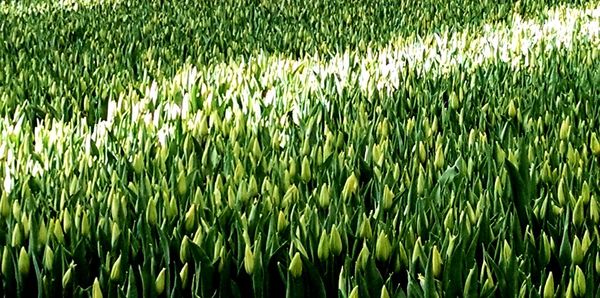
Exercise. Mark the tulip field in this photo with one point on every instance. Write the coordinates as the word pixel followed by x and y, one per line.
pixel 300 148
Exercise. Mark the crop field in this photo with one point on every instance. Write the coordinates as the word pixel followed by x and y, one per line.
pixel 300 148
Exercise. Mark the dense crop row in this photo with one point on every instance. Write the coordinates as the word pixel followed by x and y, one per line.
pixel 170 148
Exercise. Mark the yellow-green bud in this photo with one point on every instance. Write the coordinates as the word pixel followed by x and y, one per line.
pixel 159 283
pixel 335 241
pixel 249 260
pixel 114 235
pixel 115 272
pixel 577 253
pixel 436 262
pixel 449 219
pixel 4 205
pixel 365 228
pixel 282 222
pixel 16 236
pixel 595 145
pixel 578 213
pixel 585 192
pixel 182 183
pixel 24 262
pixel 579 283
pixel 350 186
pixel 363 257
pixel 66 222
pixel 16 209
pixel 549 287
pixel 383 247
pixel 387 199
pixel 184 249
pixel 422 152
pixel 85 225
pixel 506 252
pixel 323 248
pixel 354 293
pixel 48 258
pixel 384 292
pixel 439 158
pixel 183 274
pixel 96 290
pixel 545 249
pixel 594 210
pixel 586 241
pixel 417 253
pixel 67 277
pixel 151 213
pixel 597 262
pixel 403 256
pixel 5 261
pixel 190 218
pixel 58 233
pixel 565 127
pixel 324 196
pixel 305 171
pixel 512 109
pixel 421 182
pixel 296 266
pixel 138 163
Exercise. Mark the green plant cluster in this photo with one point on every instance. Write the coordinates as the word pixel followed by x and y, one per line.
pixel 366 149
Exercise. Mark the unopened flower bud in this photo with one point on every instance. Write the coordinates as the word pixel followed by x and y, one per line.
pixel 383 247
pixel 296 266
pixel 323 248
pixel 388 196
pixel 579 283
pixel 48 258
pixel 305 170
pixel 436 262
pixel 183 274
pixel 350 186
pixel 248 260
pixel 24 262
pixel 335 241
pixel 159 283
pixel 115 272
pixel 549 287
pixel 363 257
pixel 96 291
pixel 324 196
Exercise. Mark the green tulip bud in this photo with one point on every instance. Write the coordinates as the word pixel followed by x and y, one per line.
pixel 85 225
pixel 182 183
pixel 586 241
pixel 350 186
pixel 549 287
pixel 506 252
pixel 422 152
pixel 183 274
pixel 565 128
pixel 115 272
pixel 184 249
pixel 296 266
pixel 66 222
pixel 335 241
pixel 594 210
pixel 138 163
pixel 324 196
pixel 384 292
pixel 58 233
pixel 96 291
pixel 365 228
pixel 115 234
pixel 436 262
pixel 383 247
pixel 421 182
pixel 159 283
pixel 48 258
pixel 305 171
pixel 363 257
pixel 24 262
pixel 449 219
pixel 595 145
pixel 417 251
pixel 282 222
pixel 249 260
pixel 190 218
pixel 151 213
pixel 545 249
pixel 5 261
pixel 388 196
pixel 585 192
pixel 578 213
pixel 16 209
pixel 354 293
pixel 67 277
pixel 579 283
pixel 597 262
pixel 16 236
pixel 471 281
pixel 323 248
pixel 439 158
pixel 512 109
pixel 172 208
pixel 577 253
pixel 4 205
